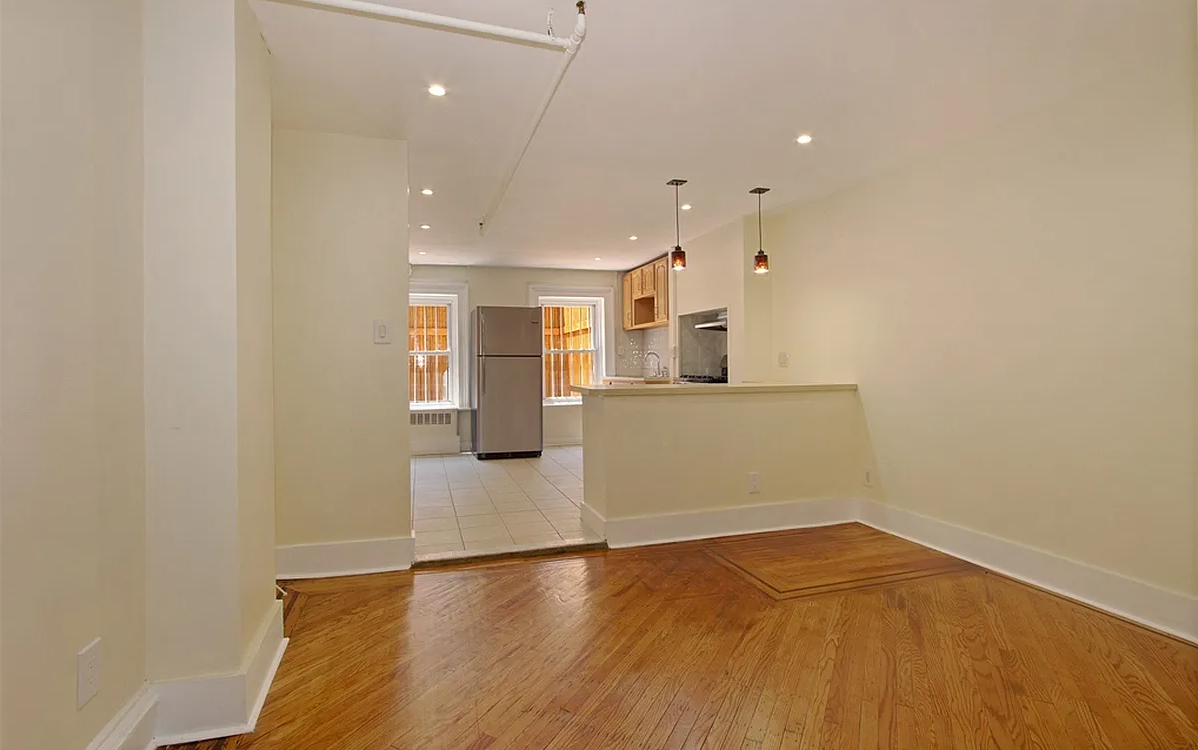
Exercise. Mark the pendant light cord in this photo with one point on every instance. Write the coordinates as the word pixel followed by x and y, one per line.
pixel 677 220
pixel 759 238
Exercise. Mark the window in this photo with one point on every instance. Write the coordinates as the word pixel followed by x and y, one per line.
pixel 573 336
pixel 432 326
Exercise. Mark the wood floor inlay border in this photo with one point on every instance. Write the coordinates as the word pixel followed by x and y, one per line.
pixel 810 572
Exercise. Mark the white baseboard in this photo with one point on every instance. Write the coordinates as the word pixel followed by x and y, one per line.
pixel 133 726
pixel 264 663
pixel 751 519
pixel 1163 610
pixel 226 704
pixel 592 520
pixel 563 441
pixel 326 560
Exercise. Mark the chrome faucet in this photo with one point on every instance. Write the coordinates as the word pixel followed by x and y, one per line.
pixel 656 371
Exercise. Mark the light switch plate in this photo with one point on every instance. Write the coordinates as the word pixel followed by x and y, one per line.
pixel 87 673
pixel 783 359
pixel 382 332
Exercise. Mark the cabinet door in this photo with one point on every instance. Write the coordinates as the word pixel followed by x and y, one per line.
pixel 636 283
pixel 647 280
pixel 661 289
pixel 627 301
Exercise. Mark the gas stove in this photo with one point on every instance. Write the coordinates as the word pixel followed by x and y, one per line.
pixel 702 379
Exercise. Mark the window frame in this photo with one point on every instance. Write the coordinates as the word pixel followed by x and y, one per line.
pixel 452 301
pixel 556 298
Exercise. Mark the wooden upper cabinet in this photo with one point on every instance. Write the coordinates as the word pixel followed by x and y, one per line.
pixel 627 299
pixel 661 291
pixel 646 296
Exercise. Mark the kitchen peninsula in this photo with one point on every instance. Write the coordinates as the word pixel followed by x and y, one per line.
pixel 676 461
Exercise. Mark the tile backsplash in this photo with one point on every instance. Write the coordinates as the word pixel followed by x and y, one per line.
pixel 632 346
pixel 701 351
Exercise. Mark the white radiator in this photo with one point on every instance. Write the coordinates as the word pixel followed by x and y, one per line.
pixel 434 432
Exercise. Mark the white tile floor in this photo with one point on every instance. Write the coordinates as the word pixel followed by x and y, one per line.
pixel 463 506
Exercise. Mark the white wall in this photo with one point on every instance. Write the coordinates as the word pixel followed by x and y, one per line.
pixel 72 555
pixel 719 274
pixel 713 279
pixel 191 339
pixel 756 354
pixel 341 401
pixel 255 359
pixel 511 287
pixel 810 447
pixel 1019 313
pixel 209 462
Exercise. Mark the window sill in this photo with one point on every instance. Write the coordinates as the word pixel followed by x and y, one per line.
pixel 444 406
pixel 563 402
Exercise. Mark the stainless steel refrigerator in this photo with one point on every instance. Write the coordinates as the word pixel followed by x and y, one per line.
pixel 505 381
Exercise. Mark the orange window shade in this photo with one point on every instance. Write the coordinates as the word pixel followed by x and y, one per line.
pixel 430 361
pixel 570 348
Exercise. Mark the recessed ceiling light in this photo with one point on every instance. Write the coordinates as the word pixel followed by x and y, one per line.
pixel 422 253
pixel 633 238
pixel 426 191
pixel 436 90
pixel 425 226
pixel 598 258
pixel 804 139
pixel 686 206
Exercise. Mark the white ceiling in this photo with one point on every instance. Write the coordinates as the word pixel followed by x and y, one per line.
pixel 714 92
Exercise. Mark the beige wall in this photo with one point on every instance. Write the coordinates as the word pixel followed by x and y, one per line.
pixel 510 287
pixel 1019 313
pixel 209 500
pixel 341 401
pixel 757 357
pixel 190 359
pixel 72 553
pixel 713 279
pixel 806 446
pixel 255 360
pixel 719 273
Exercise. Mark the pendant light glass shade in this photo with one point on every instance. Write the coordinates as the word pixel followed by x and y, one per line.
pixel 677 255
pixel 761 261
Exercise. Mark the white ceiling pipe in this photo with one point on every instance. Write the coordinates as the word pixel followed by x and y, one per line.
pixel 574 43
pixel 443 23
pixel 570 45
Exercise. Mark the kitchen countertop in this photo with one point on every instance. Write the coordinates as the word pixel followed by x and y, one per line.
pixel 692 389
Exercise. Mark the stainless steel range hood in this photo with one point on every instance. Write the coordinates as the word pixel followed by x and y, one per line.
pixel 719 324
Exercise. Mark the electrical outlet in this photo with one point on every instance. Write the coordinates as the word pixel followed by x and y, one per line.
pixel 87 673
pixel 867 478
pixel 783 359
pixel 754 483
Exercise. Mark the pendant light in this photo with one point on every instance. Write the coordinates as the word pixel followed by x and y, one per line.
pixel 677 255
pixel 761 261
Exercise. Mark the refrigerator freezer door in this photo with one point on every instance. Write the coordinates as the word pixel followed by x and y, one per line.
pixel 508 331
pixel 508 416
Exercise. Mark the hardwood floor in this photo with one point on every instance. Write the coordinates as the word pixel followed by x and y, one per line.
pixel 840 637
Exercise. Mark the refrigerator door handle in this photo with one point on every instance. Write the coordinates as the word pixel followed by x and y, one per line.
pixel 482 374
